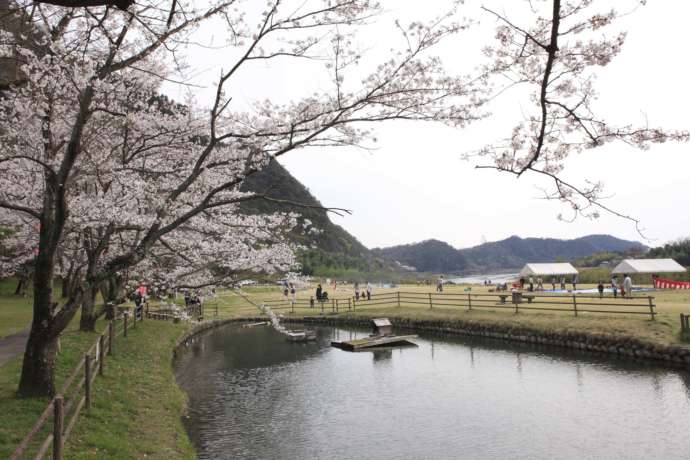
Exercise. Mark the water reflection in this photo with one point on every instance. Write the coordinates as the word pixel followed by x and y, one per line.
pixel 253 395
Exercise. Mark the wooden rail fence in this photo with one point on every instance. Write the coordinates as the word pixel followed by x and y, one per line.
pixel 519 301
pixel 70 399
pixel 685 326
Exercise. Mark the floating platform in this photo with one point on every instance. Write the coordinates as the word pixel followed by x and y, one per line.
pixel 376 341
pixel 263 323
pixel 301 336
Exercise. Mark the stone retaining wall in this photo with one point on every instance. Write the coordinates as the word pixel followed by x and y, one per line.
pixel 615 345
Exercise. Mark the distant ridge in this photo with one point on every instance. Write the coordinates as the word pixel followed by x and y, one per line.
pixel 511 253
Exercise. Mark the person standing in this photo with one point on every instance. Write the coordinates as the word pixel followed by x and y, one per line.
pixel 531 284
pixel 439 284
pixel 319 292
pixel 553 283
pixel 627 285
pixel 293 291
pixel 540 284
pixel 286 289
pixel 576 278
pixel 368 290
pixel 614 286
pixel 600 288
pixel 356 291
pixel 563 283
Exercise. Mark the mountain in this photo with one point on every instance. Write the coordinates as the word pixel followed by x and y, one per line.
pixel 330 250
pixel 511 253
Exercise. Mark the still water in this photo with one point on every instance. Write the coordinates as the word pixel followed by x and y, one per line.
pixel 253 395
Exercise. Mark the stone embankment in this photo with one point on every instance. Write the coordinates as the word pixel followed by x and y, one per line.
pixel 611 344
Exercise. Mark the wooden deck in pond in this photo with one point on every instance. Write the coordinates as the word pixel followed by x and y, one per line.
pixel 375 341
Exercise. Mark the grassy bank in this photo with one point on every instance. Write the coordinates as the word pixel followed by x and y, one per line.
pixel 15 311
pixel 664 330
pixel 136 406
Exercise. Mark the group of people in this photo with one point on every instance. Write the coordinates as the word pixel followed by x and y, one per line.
pixel 289 291
pixel 366 294
pixel 193 297
pixel 625 287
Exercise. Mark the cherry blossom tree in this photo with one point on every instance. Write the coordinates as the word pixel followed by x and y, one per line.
pixel 556 57
pixel 110 175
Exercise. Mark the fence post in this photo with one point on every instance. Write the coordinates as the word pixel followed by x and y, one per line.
pixel 332 305
pixel 292 306
pixel 58 420
pixel 398 299
pixel 87 381
pixel 349 308
pixel 111 333
pixel 469 300
pixel 126 316
pixel 575 304
pixel 134 319
pixel 337 309
pixel 216 312
pixel 515 301
pixel 101 354
pixel 321 306
pixel 147 309
pixel 431 305
pixel 651 306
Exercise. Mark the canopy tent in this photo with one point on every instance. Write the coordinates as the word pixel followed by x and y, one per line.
pixel 548 269
pixel 649 266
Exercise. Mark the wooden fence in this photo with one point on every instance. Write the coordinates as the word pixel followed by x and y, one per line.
pixel 521 301
pixel 685 326
pixel 75 394
pixel 168 313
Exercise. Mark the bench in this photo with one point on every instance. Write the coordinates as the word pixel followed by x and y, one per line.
pixel 503 297
pixel 529 297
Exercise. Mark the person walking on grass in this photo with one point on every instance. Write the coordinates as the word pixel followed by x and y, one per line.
pixel 531 284
pixel 293 292
pixel 614 286
pixel 439 284
pixel 627 285
pixel 369 290
pixel 553 283
pixel 576 278
pixel 600 288
pixel 562 283
pixel 540 284
pixel 356 291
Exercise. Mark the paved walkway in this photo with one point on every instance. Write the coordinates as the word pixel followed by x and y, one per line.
pixel 13 346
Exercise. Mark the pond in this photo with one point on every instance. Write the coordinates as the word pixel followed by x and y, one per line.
pixel 253 395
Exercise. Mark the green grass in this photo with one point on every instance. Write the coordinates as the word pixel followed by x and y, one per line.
pixel 136 406
pixel 15 312
pixel 664 330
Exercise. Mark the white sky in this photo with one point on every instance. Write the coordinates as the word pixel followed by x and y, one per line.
pixel 415 186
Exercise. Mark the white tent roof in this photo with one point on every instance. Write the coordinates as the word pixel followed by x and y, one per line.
pixel 649 266
pixel 548 269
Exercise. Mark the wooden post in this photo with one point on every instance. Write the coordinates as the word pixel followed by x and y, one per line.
pixel 337 309
pixel 101 354
pixel 321 301
pixel 575 304
pixel 111 333
pixel 431 305
pixel 515 301
pixel 58 421
pixel 126 316
pixel 216 312
pixel 134 319
pixel 147 309
pixel 292 306
pixel 469 300
pixel 87 381
pixel 349 307
pixel 651 306
pixel 332 305
pixel 398 299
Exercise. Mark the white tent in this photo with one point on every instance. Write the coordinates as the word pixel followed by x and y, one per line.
pixel 649 266
pixel 548 269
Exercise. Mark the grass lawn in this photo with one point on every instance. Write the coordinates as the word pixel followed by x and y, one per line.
pixel 664 330
pixel 136 406
pixel 15 312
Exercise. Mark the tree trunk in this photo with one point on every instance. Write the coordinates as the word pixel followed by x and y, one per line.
pixel 38 368
pixel 20 286
pixel 89 312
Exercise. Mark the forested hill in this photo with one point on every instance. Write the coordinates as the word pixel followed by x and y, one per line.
pixel 511 253
pixel 332 249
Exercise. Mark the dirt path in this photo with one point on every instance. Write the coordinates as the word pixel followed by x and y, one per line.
pixel 13 346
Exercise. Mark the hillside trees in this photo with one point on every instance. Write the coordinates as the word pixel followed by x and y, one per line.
pixel 94 169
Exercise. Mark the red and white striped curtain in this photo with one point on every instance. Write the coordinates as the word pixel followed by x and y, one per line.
pixel 661 283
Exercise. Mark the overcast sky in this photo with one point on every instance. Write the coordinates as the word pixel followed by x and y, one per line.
pixel 415 186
